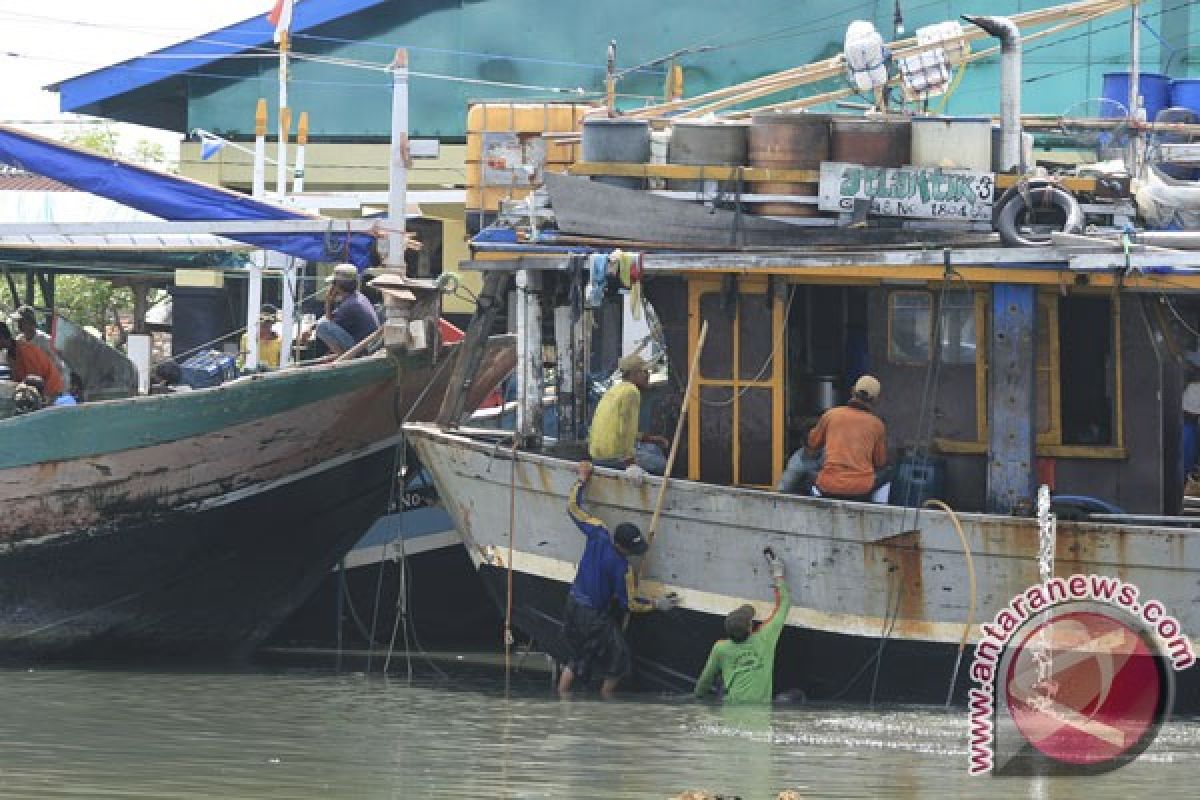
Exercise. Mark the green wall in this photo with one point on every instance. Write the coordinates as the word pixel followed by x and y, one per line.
pixel 538 36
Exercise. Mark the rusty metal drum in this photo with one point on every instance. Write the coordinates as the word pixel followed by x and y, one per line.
pixel 871 141
pixel 787 141
pixel 618 140
pixel 707 143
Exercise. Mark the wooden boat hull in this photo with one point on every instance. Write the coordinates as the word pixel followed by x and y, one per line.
pixel 865 579
pixel 188 524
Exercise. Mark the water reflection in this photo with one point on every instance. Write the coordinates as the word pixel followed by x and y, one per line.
pixel 87 734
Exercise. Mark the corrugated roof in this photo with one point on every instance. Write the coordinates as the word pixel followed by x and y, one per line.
pixel 18 180
pixel 101 84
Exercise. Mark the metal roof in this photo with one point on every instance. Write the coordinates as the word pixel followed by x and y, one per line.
pixel 99 85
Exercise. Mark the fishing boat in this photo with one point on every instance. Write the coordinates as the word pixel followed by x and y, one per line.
pixel 191 523
pixel 1014 353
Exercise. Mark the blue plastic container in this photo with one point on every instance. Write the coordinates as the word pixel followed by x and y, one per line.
pixel 1154 88
pixel 918 478
pixel 210 368
pixel 1185 93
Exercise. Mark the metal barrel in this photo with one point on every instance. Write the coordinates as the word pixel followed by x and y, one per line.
pixel 707 143
pixel 787 141
pixel 871 141
pixel 620 140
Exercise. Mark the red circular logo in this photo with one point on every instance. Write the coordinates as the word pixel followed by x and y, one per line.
pixel 1085 688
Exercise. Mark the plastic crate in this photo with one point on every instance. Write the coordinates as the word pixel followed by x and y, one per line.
pixel 210 368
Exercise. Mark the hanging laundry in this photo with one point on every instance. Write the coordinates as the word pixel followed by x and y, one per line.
pixel 614 263
pixel 625 263
pixel 597 280
pixel 636 267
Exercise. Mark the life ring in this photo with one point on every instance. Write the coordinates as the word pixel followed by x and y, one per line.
pixel 1015 202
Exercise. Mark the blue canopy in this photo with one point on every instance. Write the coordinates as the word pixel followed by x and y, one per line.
pixel 174 198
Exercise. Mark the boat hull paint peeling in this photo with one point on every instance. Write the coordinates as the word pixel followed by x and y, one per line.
pixel 201 540
pixel 858 573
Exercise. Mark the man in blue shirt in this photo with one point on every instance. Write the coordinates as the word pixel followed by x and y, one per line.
pixel 603 591
pixel 349 317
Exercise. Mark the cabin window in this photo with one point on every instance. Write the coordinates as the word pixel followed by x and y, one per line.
pixel 910 316
pixel 958 327
pixel 1078 378
pixel 736 421
pixel 1086 371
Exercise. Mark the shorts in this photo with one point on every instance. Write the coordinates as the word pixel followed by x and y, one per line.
pixel 595 642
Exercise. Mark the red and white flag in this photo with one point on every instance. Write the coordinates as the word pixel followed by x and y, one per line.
pixel 281 17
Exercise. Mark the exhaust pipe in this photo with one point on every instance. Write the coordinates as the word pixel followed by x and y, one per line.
pixel 1009 35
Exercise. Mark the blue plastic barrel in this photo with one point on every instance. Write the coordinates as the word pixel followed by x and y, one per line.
pixel 1185 93
pixel 1154 88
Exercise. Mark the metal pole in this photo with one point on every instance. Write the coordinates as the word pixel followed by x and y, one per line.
pixel 285 119
pixel 1135 100
pixel 398 176
pixel 301 141
pixel 287 314
pixel 254 284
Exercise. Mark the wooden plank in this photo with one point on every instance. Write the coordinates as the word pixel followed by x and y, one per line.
pixel 1011 398
pixel 717 172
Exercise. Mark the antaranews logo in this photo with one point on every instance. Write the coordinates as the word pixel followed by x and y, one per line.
pixel 1073 676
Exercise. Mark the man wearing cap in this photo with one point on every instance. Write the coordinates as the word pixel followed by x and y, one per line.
pixel 855 443
pixel 603 591
pixel 269 342
pixel 746 660
pixel 614 437
pixel 26 358
pixel 25 320
pixel 349 317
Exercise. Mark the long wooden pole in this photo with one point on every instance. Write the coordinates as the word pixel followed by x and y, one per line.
pixel 687 398
pixel 821 70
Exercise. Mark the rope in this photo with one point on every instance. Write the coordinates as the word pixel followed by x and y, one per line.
pixel 962 642
pixel 512 526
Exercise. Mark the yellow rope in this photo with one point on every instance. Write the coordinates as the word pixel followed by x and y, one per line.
pixel 932 502
pixel 958 76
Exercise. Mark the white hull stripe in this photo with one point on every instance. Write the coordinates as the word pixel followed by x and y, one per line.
pixel 364 556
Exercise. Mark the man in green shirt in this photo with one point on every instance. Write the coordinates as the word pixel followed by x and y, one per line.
pixel 746 660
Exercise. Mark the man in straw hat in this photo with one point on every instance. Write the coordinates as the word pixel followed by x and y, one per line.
pixel 746 660
pixel 604 589
pixel 614 440
pixel 855 443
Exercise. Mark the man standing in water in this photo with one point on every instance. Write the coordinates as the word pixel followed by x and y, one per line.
pixel 746 660
pixel 603 591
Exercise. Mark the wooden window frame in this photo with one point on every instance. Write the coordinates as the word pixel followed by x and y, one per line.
pixel 1049 444
pixel 774 380
pixel 891 317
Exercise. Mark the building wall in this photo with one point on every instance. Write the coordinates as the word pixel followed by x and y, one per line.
pixel 561 44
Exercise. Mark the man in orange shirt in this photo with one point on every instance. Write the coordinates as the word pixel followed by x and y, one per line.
pixel 26 358
pixel 855 443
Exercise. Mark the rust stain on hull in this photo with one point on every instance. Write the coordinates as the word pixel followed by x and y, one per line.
pixel 895 563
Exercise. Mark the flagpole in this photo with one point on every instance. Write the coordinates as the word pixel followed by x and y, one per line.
pixel 258 189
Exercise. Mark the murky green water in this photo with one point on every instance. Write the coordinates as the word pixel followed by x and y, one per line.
pixel 97 734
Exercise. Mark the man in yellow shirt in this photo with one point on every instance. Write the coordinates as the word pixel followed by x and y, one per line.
pixel 269 342
pixel 614 440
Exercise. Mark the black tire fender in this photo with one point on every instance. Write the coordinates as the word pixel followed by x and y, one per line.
pixel 1013 202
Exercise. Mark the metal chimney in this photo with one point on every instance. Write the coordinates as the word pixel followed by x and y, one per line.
pixel 1009 35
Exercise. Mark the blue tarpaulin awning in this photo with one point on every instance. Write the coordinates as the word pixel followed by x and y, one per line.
pixel 171 197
